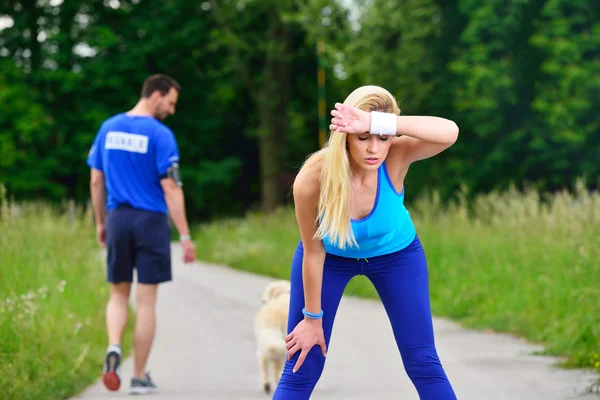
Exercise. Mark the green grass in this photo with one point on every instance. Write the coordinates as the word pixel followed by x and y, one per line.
pixel 508 262
pixel 52 301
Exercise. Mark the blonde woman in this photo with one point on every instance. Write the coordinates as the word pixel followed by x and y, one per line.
pixel 349 202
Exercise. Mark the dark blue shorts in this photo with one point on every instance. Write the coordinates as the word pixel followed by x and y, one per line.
pixel 138 239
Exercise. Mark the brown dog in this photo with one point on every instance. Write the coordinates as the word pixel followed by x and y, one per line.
pixel 270 328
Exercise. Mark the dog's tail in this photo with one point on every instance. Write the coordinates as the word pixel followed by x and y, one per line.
pixel 276 351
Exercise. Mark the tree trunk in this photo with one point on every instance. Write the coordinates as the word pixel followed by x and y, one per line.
pixel 272 100
pixel 32 14
pixel 269 161
pixel 273 104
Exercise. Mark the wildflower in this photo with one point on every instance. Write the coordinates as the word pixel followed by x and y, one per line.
pixel 43 292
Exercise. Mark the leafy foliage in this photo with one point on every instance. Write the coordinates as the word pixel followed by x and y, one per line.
pixel 519 77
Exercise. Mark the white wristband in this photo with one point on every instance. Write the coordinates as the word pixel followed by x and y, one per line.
pixel 185 237
pixel 383 123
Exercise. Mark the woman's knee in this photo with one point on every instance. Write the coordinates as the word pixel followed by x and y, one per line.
pixel 307 376
pixel 422 364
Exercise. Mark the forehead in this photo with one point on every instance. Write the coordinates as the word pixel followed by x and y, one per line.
pixel 365 135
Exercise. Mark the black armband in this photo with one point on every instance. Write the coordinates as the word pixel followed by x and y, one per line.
pixel 173 173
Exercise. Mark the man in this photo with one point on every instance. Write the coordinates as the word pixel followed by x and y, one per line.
pixel 135 158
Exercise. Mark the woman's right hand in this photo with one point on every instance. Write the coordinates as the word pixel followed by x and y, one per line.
pixel 308 333
pixel 350 119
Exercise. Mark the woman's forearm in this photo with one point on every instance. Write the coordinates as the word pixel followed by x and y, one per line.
pixel 312 277
pixel 431 129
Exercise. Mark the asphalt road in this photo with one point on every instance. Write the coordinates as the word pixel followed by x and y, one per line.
pixel 204 349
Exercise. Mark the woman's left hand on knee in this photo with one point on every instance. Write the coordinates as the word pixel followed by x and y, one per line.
pixel 307 334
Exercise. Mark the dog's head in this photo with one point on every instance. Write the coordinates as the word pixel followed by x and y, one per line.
pixel 275 289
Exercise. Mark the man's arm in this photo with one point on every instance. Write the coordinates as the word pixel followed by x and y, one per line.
pixel 98 193
pixel 167 164
pixel 176 205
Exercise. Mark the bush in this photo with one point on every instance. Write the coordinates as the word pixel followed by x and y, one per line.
pixel 52 301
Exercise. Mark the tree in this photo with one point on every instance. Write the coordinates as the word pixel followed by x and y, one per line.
pixel 266 40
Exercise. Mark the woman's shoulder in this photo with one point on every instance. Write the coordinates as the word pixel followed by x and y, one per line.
pixel 307 179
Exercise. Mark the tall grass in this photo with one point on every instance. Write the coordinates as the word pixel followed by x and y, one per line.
pixel 52 299
pixel 512 262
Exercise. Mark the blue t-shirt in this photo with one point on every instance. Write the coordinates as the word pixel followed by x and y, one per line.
pixel 134 152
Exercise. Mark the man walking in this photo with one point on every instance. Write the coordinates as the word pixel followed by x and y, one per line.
pixel 135 179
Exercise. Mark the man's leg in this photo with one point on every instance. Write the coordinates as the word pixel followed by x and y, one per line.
pixel 120 275
pixel 153 264
pixel 145 326
pixel 117 312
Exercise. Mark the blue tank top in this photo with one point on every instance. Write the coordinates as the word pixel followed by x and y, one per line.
pixel 386 229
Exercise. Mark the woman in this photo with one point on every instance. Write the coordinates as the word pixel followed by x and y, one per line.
pixel 349 202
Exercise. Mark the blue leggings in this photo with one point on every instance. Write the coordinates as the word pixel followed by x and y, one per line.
pixel 401 280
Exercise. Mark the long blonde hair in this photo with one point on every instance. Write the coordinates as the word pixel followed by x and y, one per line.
pixel 335 192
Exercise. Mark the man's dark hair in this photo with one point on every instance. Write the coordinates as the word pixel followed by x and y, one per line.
pixel 160 82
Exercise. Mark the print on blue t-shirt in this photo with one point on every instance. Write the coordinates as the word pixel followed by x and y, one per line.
pixel 134 152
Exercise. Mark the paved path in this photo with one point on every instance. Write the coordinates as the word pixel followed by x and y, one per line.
pixel 204 350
